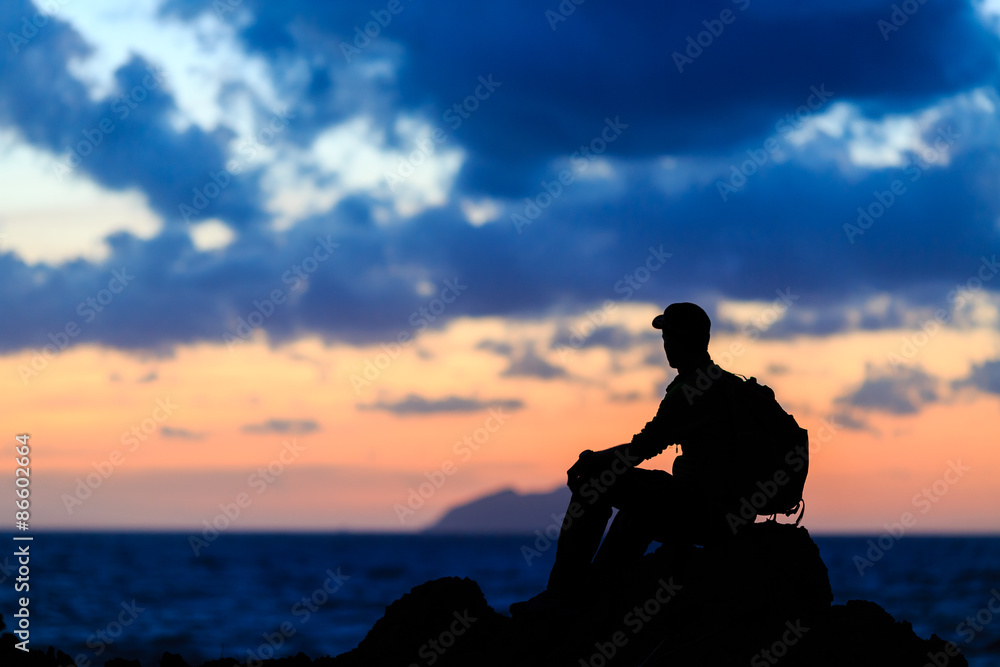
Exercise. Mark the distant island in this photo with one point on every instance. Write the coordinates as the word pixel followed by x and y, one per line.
pixel 505 512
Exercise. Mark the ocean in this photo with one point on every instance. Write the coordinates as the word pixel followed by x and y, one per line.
pixel 135 595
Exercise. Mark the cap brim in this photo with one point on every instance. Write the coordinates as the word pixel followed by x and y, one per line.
pixel 658 322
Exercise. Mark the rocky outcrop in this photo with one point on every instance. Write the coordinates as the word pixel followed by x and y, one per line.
pixel 761 598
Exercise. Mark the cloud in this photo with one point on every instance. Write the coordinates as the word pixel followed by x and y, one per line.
pixel 624 397
pixel 597 64
pixel 124 140
pixel 529 364
pixel 844 418
pixel 181 433
pixel 497 347
pixel 783 230
pixel 282 426
pixel 900 392
pixel 418 405
pixel 984 377
pixel 610 337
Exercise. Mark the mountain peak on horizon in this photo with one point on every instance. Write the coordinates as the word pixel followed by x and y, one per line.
pixel 506 511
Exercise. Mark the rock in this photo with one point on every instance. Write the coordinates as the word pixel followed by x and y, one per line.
pixel 442 622
pixel 862 633
pixel 760 598
pixel 169 659
pixel 11 655
pixel 122 662
pixel 224 662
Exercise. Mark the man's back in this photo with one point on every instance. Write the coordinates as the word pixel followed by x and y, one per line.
pixel 700 412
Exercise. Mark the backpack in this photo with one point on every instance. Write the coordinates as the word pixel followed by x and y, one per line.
pixel 781 451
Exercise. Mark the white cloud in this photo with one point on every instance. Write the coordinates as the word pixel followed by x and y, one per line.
pixel 211 234
pixel 480 212
pixel 199 59
pixel 353 157
pixel 51 218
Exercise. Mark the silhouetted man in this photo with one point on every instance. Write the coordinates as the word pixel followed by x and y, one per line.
pixel 687 507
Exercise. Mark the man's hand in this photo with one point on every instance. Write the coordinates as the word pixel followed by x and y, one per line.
pixel 591 464
pixel 579 471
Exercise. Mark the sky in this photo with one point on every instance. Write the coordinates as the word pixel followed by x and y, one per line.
pixel 298 266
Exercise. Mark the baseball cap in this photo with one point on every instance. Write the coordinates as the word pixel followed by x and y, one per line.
pixel 687 320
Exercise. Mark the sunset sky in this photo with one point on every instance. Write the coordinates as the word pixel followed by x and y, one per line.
pixel 330 257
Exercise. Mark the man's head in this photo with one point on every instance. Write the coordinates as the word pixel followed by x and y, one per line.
pixel 685 329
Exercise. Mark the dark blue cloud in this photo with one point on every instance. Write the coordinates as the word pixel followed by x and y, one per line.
pixel 123 141
pixel 419 405
pixel 610 337
pixel 613 59
pixel 783 231
pixel 528 363
pixel 180 433
pixel 984 377
pixel 902 391
pixel 282 426
pixel 498 347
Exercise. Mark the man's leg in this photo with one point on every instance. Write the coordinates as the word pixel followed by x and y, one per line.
pixel 626 541
pixel 642 500
pixel 655 505
pixel 579 538
pixel 640 494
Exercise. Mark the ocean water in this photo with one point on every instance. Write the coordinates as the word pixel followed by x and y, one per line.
pixel 135 595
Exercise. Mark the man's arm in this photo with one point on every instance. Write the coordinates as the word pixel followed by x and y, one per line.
pixel 662 430
pixel 657 435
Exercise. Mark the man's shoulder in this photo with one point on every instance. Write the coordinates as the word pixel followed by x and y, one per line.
pixel 709 379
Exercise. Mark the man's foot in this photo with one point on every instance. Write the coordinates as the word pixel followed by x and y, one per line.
pixel 545 602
